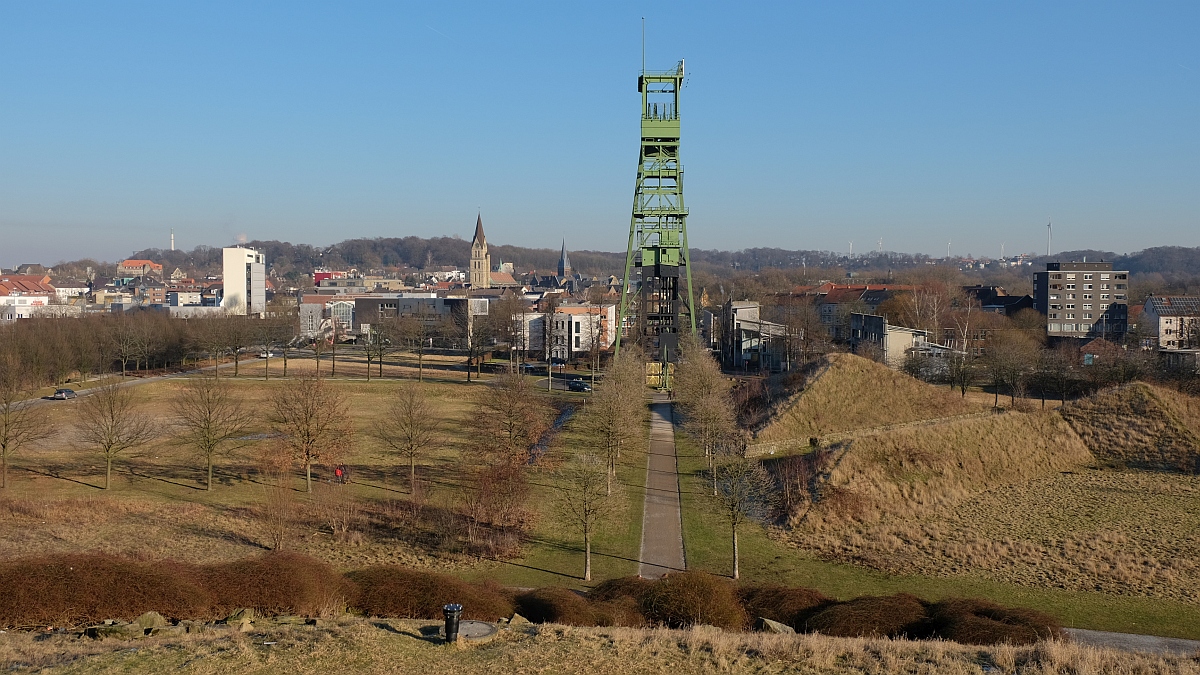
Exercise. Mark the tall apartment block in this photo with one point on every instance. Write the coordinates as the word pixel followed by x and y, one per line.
pixel 245 281
pixel 1083 299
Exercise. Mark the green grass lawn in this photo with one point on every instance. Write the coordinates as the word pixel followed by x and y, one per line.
pixel 766 561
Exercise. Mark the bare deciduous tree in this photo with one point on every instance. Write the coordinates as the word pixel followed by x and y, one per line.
pixel 311 419
pixel 211 419
pixel 510 418
pixel 110 423
pixel 616 410
pixel 410 427
pixel 585 499
pixel 744 492
pixel 19 424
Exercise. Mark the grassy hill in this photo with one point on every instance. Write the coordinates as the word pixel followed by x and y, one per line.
pixel 1141 426
pixel 857 393
pixel 910 472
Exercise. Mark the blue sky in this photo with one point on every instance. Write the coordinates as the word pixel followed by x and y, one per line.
pixel 806 125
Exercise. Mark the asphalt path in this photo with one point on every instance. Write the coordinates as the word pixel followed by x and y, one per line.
pixel 662 524
pixel 1133 643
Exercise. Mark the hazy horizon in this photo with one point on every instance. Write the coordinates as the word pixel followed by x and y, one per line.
pixel 805 126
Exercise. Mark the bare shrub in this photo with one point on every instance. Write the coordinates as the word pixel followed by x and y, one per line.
pixel 979 622
pixel 68 590
pixel 621 587
pixel 338 510
pixel 278 583
pixel 792 606
pixel 871 616
pixel 556 605
pixel 416 594
pixel 278 507
pixel 691 598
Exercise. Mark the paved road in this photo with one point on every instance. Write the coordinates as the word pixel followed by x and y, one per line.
pixel 1134 643
pixel 662 527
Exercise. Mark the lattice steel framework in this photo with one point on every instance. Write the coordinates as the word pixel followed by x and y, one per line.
pixel 658 231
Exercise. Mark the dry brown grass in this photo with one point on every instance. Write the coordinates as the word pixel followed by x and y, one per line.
pixel 857 393
pixel 1126 533
pixel 908 473
pixel 1139 425
pixel 401 647
pixel 157 508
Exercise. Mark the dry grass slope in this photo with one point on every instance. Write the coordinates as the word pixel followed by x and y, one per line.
pixel 401 647
pixel 909 473
pixel 1140 426
pixel 857 393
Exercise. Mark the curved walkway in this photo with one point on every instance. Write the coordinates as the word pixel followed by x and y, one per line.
pixel 662 524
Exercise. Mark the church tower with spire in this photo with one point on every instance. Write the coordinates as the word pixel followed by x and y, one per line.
pixel 564 263
pixel 481 262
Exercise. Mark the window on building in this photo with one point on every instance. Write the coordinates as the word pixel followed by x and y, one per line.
pixel 1104 305
pixel 1055 276
pixel 1053 315
pixel 1070 316
pixel 1119 297
pixel 1087 276
pixel 1070 305
pixel 1054 296
pixel 1104 296
pixel 1087 316
pixel 1055 306
pixel 1087 306
pixel 577 326
pixel 1070 296
pixel 1103 277
pixel 1087 296
pixel 577 343
pixel 1070 276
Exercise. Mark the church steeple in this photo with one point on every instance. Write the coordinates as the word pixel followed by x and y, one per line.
pixel 481 263
pixel 564 263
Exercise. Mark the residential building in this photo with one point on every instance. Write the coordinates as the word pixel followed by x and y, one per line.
pixel 748 342
pixel 997 300
pixel 139 268
pixel 183 298
pixel 481 262
pixel 13 307
pixel 1173 321
pixel 244 279
pixel 1082 299
pixel 576 328
pixel 872 333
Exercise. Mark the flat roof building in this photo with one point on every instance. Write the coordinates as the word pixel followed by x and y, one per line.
pixel 1083 300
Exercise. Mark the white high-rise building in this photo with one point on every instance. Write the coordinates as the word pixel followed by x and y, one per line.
pixel 245 281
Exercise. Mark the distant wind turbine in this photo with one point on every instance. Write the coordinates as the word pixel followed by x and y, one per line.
pixel 1049 235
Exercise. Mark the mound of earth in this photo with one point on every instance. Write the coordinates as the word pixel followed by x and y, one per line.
pixel 1140 426
pixel 911 472
pixel 856 393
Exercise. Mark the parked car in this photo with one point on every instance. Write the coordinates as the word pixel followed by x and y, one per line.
pixel 579 385
pixel 64 394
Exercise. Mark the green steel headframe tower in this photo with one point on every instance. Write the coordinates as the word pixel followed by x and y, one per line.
pixel 658 230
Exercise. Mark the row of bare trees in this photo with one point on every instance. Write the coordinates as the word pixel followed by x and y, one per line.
pixel 741 489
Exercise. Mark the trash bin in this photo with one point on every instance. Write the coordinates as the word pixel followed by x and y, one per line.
pixel 453 614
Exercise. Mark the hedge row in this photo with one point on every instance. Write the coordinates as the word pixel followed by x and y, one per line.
pixel 87 588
